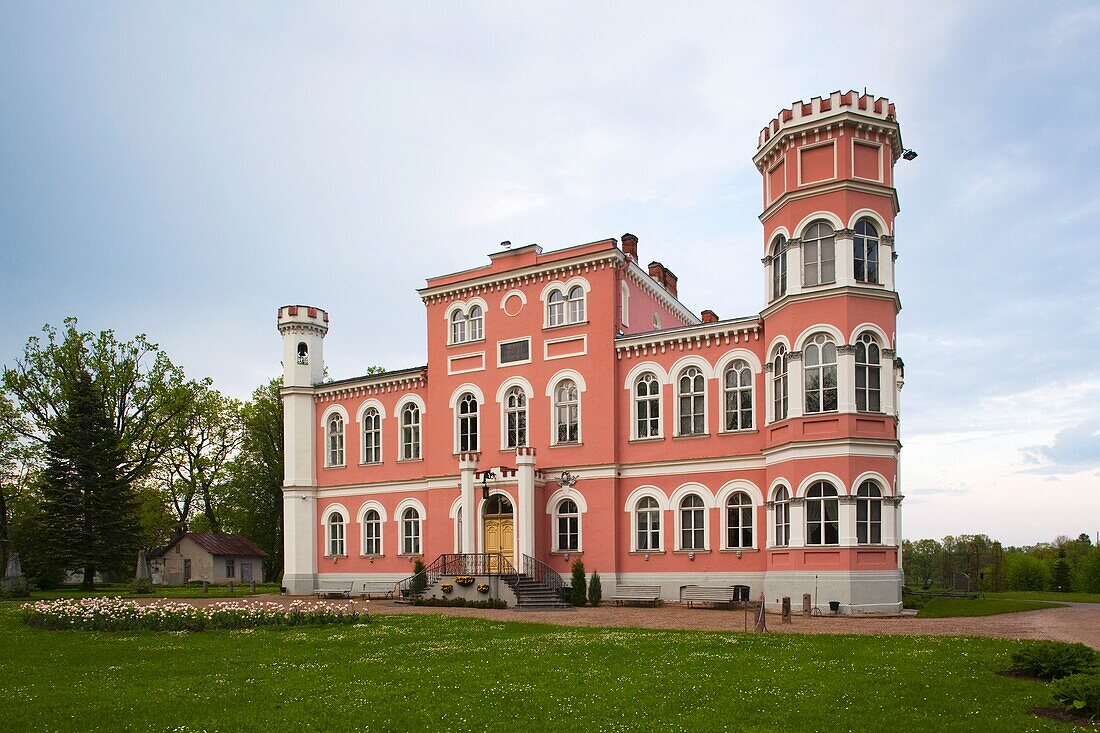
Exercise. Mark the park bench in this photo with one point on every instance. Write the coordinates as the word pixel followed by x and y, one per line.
pixel 376 588
pixel 726 594
pixel 637 594
pixel 333 588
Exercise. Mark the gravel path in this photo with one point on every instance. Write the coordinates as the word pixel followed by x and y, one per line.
pixel 1073 622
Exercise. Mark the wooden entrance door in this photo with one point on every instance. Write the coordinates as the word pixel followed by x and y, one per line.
pixel 499 531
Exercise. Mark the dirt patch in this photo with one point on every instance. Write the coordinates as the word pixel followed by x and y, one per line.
pixel 1066 717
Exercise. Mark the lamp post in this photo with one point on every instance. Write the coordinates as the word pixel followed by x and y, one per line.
pixel 485 476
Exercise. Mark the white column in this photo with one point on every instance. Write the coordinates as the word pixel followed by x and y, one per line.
pixel 795 389
pixel 886 262
pixel 845 378
pixel 889 521
pixel 769 522
pixel 525 476
pixel 467 467
pixel 887 382
pixel 299 540
pixel 798 521
pixel 845 254
pixel 847 521
pixel 794 266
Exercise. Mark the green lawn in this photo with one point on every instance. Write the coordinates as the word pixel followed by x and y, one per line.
pixel 160 591
pixel 448 673
pixel 1048 596
pixel 941 607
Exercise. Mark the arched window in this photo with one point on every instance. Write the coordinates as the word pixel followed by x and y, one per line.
pixel 779 267
pixel 866 252
pixel 467 423
pixel 822 515
pixel 819 370
pixel 475 322
pixel 372 436
pixel 818 254
pixel 303 353
pixel 869 514
pixel 576 304
pixel 372 533
pixel 335 440
pixel 458 327
pixel 692 400
pixel 779 384
pixel 336 535
pixel 515 417
pixel 410 432
pixel 648 521
pixel 739 521
pixel 567 412
pixel 568 534
pixel 556 306
pixel 692 523
pixel 782 506
pixel 737 389
pixel 868 374
pixel 647 406
pixel 410 532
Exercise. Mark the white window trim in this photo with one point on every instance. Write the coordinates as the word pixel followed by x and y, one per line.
pixel 360 414
pixel 631 508
pixel 464 307
pixel 773 490
pixel 633 395
pixel 831 142
pixel 551 389
pixel 506 364
pixel 870 144
pixel 707 373
pixel 342 411
pixel 755 496
pixel 552 509
pixel 326 525
pixel 399 517
pixel 720 375
pixel 456 398
pixel 564 287
pixel 399 413
pixel 708 504
pixel 502 406
pixel 360 519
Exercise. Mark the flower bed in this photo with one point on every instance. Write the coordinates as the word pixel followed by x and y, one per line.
pixel 117 614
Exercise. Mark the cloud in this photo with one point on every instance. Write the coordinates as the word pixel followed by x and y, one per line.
pixel 1074 449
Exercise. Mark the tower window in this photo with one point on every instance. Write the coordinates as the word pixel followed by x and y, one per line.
pixel 868 374
pixel 865 256
pixel 779 384
pixel 303 353
pixel 819 254
pixel 779 267
pixel 819 360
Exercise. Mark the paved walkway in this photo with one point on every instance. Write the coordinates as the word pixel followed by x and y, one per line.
pixel 1073 622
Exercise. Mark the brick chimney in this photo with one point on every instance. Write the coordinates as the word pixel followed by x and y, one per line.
pixel 664 276
pixel 630 246
pixel 709 316
pixel 670 282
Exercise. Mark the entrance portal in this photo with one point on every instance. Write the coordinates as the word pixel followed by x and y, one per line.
pixel 499 530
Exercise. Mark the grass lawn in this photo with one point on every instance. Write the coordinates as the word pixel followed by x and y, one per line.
pixel 449 673
pixel 946 607
pixel 1048 596
pixel 159 591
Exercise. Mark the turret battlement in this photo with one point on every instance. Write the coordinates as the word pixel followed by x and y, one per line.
pixel 820 109
pixel 291 316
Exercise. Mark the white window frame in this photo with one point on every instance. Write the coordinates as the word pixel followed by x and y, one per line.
pixel 364 431
pixel 778 261
pixel 818 264
pixel 737 390
pixel 555 407
pixel 403 525
pixel 556 308
pixel 558 516
pixel 868 246
pixel 865 343
pixel 781 517
pixel 635 525
pixel 869 523
pixel 521 412
pixel 339 448
pixel 418 444
pixel 819 342
pixel 678 395
pixel 575 305
pixel 467 424
pixel 475 323
pixel 823 522
pixel 636 404
pixel 679 515
pixel 331 536
pixel 780 384
pixel 726 526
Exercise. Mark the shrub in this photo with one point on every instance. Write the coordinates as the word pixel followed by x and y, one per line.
pixel 595 590
pixel 1051 660
pixel 460 602
pixel 142 586
pixel 580 597
pixel 420 580
pixel 1024 572
pixel 1078 693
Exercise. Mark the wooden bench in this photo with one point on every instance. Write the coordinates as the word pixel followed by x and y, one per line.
pixel 725 594
pixel 637 594
pixel 376 588
pixel 333 588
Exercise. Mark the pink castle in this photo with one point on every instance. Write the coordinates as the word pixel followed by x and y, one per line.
pixel 572 407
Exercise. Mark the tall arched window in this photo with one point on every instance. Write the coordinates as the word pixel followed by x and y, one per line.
pixel 739 523
pixel 779 384
pixel 819 370
pixel 648 523
pixel 779 267
pixel 692 401
pixel 818 254
pixel 868 374
pixel 692 523
pixel 515 417
pixel 576 304
pixel 410 532
pixel 567 412
pixel 372 533
pixel 458 327
pixel 335 440
pixel 556 307
pixel 822 515
pixel 467 423
pixel 865 258
pixel 782 505
pixel 647 406
pixel 737 390
pixel 568 530
pixel 336 534
pixel 476 323
pixel 410 432
pixel 869 514
pixel 372 436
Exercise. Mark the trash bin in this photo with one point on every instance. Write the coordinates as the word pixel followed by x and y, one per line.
pixel 834 606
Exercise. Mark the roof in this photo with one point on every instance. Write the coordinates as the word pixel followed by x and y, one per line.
pixel 220 543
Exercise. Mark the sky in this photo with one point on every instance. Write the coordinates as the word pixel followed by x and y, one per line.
pixel 183 169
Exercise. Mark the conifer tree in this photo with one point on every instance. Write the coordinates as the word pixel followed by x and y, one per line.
pixel 1059 578
pixel 89 510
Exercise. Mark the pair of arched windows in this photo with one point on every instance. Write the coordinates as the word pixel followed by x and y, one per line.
pixel 818 246
pixel 564 307
pixel 822 505
pixel 468 325
pixel 410 531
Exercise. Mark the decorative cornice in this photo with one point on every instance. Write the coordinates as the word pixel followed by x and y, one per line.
pixel 689 338
pixel 834 291
pixel 371 385
pixel 817 189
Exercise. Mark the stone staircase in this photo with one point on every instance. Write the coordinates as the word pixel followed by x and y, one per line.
pixel 533 595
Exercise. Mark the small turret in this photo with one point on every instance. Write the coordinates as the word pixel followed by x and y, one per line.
pixel 303 329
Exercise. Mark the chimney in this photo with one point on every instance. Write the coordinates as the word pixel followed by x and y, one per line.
pixel 709 316
pixel 670 282
pixel 664 276
pixel 630 246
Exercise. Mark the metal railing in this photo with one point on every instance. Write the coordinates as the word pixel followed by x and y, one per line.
pixel 470 563
pixel 543 573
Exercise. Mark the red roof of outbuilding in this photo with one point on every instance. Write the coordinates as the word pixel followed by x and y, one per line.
pixel 220 543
